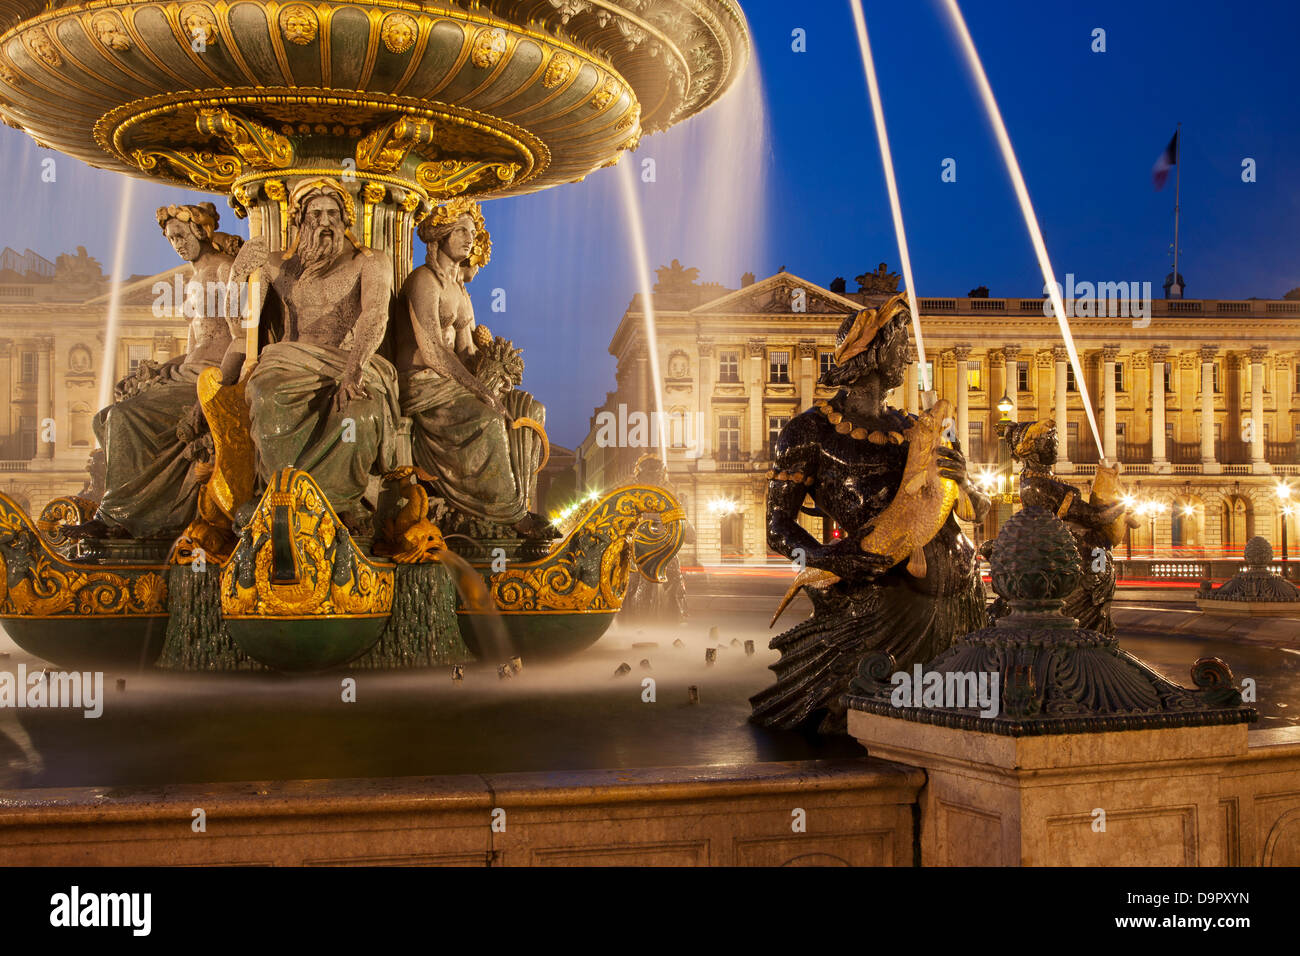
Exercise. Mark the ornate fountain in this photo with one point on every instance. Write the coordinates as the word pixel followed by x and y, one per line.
pixel 383 115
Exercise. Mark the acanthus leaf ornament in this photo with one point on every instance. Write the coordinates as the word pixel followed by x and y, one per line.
pixel 207 170
pixel 258 146
pixel 384 149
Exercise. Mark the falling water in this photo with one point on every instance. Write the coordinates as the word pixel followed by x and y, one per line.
pixel 106 372
pixel 636 230
pixel 887 160
pixel 1026 207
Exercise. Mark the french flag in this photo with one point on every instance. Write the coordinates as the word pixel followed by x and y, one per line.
pixel 1160 172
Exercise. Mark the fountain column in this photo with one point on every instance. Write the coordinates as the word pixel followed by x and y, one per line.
pixel 44 395
pixel 705 407
pixel 1159 453
pixel 1209 464
pixel 962 353
pixel 1258 464
pixel 912 384
pixel 757 433
pixel 1109 353
pixel 1062 359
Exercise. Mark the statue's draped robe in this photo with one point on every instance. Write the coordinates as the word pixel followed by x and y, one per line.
pixel 151 486
pixel 290 395
pixel 483 467
pixel 914 619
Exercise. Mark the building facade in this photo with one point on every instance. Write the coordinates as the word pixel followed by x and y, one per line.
pixel 53 328
pixel 1198 399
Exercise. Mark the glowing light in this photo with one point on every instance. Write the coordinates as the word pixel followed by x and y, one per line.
pixel 593 496
pixel 1189 510
pixel 1284 490
pixel 1026 207
pixel 723 506
pixel 895 208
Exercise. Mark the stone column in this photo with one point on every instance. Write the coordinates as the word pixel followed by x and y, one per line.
pixel 1209 464
pixel 1010 380
pixel 913 383
pixel 1159 453
pixel 708 370
pixel 44 395
pixel 1109 353
pixel 1062 359
pixel 757 381
pixel 961 353
pixel 8 425
pixel 1258 464
pixel 807 372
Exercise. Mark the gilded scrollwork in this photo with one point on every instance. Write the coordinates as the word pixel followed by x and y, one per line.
pixel 206 170
pixel 385 148
pixel 257 146
pixel 588 570
pixel 295 559
pixel 37 582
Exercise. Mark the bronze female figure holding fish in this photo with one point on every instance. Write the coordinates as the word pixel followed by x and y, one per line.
pixel 903 580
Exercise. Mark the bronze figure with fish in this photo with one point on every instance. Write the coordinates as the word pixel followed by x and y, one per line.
pixel 1098 521
pixel 903 579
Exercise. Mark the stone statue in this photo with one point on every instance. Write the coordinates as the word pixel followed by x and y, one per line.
pixel 476 437
pixel 1092 522
pixel 152 436
pixel 319 398
pixel 854 456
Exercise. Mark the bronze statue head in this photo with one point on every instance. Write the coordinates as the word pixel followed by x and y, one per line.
pixel 872 342
pixel 1033 443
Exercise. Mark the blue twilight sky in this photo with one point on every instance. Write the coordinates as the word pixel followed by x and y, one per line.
pixel 786 171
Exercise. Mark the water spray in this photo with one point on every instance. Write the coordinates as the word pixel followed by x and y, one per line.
pixel 1026 207
pixel 633 207
pixel 106 375
pixel 895 207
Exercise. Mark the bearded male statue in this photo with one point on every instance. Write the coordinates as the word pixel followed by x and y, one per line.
pixel 152 437
pixel 319 398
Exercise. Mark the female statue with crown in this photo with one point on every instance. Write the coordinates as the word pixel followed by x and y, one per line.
pixel 851 455
pixel 476 437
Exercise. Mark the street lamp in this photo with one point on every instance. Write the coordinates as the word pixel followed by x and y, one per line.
pixel 1005 404
pixel 1284 496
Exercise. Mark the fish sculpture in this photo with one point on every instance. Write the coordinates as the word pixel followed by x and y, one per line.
pixel 918 510
pixel 1106 493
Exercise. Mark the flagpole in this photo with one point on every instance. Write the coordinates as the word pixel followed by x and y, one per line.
pixel 1178 176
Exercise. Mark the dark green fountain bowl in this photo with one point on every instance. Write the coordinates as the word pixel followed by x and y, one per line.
pixel 305 645
pixel 107 643
pixel 544 636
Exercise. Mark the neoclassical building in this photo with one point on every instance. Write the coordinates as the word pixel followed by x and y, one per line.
pixel 53 324
pixel 1199 400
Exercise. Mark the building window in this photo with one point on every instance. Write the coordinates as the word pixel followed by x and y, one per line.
pixel 974 378
pixel 728 366
pixel 27 375
pixel 1070 384
pixel 1297 378
pixel 1022 376
pixel 1169 433
pixel 135 354
pixel 728 437
pixel 678 426
pixel 80 421
pixel 1215 376
pixel 928 377
pixel 977 441
pixel 825 363
pixel 26 436
pixel 774 425
pixel 1119 377
pixel 778 368
pixel 1169 377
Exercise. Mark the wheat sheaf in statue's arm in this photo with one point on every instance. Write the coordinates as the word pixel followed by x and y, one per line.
pixel 368 333
pixel 254 255
pixel 444 361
